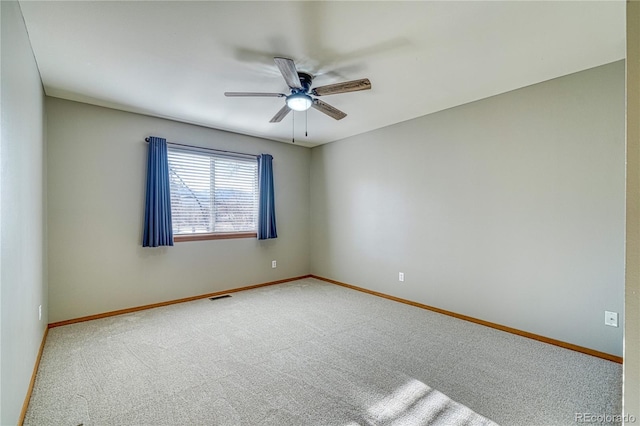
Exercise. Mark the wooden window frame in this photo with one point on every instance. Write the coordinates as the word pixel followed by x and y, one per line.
pixel 180 238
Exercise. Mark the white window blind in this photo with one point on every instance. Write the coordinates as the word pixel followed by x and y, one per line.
pixel 212 193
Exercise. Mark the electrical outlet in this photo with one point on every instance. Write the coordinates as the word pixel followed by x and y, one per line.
pixel 611 318
pixel 401 276
pixel 273 264
pixel 40 313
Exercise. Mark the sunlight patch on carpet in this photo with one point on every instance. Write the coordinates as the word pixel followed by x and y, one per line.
pixel 416 402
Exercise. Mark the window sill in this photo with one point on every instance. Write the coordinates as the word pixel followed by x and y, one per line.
pixel 217 236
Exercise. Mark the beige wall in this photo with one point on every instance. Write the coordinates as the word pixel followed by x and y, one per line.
pixel 22 212
pixel 96 181
pixel 509 209
pixel 631 398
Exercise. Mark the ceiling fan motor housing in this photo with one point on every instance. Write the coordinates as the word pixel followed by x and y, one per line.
pixel 299 99
pixel 305 81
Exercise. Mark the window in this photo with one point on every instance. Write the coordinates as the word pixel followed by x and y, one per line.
pixel 212 195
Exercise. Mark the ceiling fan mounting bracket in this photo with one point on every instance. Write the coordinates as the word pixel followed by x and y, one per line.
pixel 305 81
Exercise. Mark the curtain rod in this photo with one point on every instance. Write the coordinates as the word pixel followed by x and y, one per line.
pixel 207 149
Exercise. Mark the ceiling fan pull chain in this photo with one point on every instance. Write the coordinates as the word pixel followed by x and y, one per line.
pixel 305 123
pixel 293 127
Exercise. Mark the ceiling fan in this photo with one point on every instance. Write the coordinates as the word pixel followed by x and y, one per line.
pixel 300 98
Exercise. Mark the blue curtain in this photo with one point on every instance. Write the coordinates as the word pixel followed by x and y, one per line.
pixel 267 205
pixel 157 211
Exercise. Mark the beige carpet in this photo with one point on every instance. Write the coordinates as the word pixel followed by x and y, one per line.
pixel 310 353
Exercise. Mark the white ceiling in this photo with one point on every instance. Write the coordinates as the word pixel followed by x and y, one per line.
pixel 176 59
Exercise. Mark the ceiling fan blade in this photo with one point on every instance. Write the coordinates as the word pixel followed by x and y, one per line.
pixel 251 94
pixel 347 86
pixel 328 109
pixel 280 114
pixel 289 72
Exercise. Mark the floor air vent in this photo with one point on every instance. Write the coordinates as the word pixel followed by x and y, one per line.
pixel 220 297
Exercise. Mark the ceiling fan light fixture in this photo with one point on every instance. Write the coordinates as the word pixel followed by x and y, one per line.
pixel 299 102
